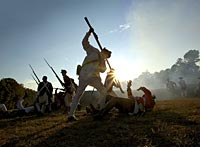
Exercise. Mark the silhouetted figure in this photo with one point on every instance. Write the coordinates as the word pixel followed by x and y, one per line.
pixel 198 88
pixel 70 89
pixel 92 66
pixel 129 90
pixel 111 82
pixel 59 99
pixel 183 87
pixel 171 85
pixel 44 96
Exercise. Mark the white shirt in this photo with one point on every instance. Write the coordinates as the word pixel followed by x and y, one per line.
pixel 20 104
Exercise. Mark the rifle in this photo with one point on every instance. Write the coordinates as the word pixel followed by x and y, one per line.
pixel 35 79
pixel 96 38
pixel 55 74
pixel 35 74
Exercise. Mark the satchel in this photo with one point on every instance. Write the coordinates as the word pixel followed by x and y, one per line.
pixel 78 69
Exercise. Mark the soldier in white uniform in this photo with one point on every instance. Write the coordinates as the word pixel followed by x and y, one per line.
pixel 21 107
pixel 92 66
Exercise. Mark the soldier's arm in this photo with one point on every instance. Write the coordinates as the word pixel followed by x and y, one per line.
pixel 86 44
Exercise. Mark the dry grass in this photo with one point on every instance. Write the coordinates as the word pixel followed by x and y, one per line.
pixel 173 122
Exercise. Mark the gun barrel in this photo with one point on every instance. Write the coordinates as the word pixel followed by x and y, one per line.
pixel 55 73
pixel 34 73
pixel 35 79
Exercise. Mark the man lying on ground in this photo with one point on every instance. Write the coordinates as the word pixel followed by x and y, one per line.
pixel 126 105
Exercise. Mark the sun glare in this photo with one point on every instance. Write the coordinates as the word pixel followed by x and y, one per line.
pixel 123 74
pixel 125 71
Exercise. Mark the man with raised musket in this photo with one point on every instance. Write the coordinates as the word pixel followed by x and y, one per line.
pixel 92 66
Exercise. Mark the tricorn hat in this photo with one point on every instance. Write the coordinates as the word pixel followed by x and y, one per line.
pixel 63 71
pixel 106 51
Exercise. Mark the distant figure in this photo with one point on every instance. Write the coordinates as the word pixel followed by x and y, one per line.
pixel 21 107
pixel 171 86
pixel 111 81
pixel 183 87
pixel 44 95
pixel 89 74
pixel 129 90
pixel 70 89
pixel 198 88
pixel 126 105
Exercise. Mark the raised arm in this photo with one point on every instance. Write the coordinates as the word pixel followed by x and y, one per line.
pixel 86 44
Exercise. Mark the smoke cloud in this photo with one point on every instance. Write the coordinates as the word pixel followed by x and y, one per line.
pixel 163 31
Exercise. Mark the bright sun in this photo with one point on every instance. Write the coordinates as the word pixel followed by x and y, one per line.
pixel 125 71
pixel 122 74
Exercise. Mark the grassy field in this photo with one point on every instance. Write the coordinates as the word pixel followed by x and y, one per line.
pixel 172 123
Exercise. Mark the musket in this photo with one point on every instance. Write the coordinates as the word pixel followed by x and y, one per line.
pixel 55 74
pixel 120 87
pixel 35 79
pixel 96 38
pixel 38 80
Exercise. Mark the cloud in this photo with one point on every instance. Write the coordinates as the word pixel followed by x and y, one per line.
pixel 30 84
pixel 121 28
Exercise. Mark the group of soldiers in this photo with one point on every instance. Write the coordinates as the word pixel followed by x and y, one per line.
pixel 89 74
pixel 44 97
pixel 173 87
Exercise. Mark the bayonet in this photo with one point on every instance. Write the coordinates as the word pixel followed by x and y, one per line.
pixel 38 80
pixel 55 73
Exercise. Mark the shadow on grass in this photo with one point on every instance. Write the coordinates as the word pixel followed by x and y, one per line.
pixel 12 120
pixel 26 138
pixel 118 130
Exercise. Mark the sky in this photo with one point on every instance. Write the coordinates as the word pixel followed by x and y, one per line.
pixel 143 35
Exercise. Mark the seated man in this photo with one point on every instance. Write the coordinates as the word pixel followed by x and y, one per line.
pixel 148 99
pixel 139 106
pixel 21 107
pixel 126 105
pixel 144 103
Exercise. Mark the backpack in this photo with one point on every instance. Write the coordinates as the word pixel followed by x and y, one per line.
pixel 78 69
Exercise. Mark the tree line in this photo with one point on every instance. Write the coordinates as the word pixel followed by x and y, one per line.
pixel 11 91
pixel 187 67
